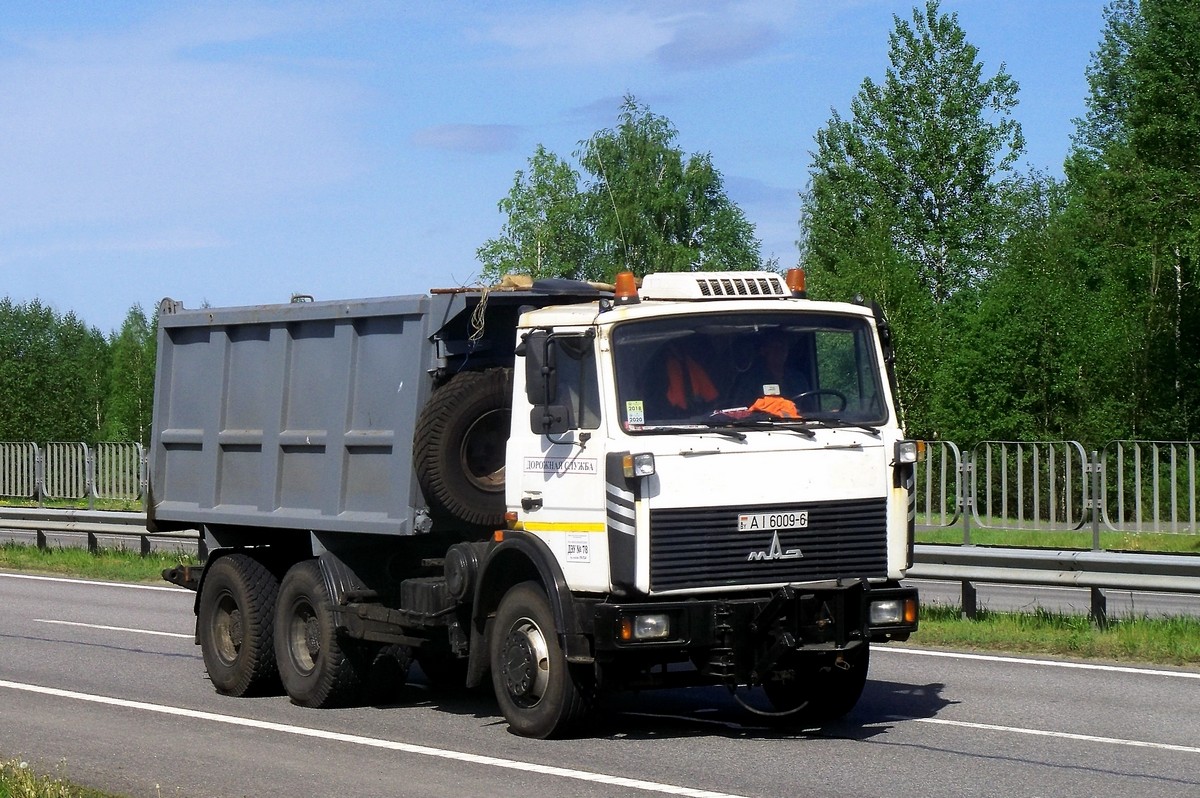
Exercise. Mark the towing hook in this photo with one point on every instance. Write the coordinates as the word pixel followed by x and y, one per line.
pixel 840 663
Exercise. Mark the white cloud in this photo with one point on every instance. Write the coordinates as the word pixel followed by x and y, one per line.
pixel 683 34
pixel 579 37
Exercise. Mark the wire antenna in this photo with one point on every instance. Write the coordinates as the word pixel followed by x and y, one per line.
pixel 613 200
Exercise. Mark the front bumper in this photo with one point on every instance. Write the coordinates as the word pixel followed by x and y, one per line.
pixel 742 638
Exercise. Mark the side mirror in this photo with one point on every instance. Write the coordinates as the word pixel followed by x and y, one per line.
pixel 541 385
pixel 541 380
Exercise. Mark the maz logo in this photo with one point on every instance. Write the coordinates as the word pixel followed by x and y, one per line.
pixel 775 552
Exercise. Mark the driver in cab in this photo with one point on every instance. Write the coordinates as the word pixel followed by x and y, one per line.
pixel 769 383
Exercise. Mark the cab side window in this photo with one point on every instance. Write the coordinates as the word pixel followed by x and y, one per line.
pixel 578 383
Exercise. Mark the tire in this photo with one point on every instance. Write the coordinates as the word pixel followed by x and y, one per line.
pixel 234 626
pixel 443 670
pixel 818 691
pixel 538 692
pixel 317 669
pixel 388 673
pixel 458 450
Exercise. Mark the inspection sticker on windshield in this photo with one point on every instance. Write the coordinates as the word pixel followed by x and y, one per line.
pixel 635 412
pixel 751 522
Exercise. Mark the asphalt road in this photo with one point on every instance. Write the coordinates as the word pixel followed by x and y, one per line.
pixel 103 684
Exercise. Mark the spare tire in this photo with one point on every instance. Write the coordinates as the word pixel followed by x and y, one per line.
pixel 459 448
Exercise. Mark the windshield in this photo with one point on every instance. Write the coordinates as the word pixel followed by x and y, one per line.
pixel 717 370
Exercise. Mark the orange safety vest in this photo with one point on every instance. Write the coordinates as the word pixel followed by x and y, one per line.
pixel 697 380
pixel 776 406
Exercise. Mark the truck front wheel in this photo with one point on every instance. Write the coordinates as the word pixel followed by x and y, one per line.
pixel 540 694
pixel 237 602
pixel 315 667
pixel 815 691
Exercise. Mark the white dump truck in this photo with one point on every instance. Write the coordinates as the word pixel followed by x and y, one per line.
pixel 563 488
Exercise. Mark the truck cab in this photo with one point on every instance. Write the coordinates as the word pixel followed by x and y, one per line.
pixel 706 509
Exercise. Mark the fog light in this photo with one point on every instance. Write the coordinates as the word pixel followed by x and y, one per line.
pixel 887 613
pixel 638 465
pixel 656 626
pixel 652 627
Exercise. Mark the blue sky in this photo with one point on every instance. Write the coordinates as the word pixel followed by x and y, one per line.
pixel 236 153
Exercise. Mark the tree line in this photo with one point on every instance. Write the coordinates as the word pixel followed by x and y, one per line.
pixel 61 380
pixel 1024 307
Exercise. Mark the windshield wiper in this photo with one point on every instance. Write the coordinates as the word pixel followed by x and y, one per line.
pixel 836 423
pixel 699 429
pixel 772 422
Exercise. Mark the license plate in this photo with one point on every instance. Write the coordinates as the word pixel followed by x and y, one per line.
pixel 751 522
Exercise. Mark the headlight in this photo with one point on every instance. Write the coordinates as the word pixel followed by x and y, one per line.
pixel 887 613
pixel 638 465
pixel 893 612
pixel 909 451
pixel 652 626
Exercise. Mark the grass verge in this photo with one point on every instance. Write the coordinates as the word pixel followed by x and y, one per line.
pixel 1163 641
pixel 19 780
pixel 1159 542
pixel 114 565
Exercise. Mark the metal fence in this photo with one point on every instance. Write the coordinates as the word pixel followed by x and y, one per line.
pixel 1140 486
pixel 73 472
pixel 1135 487
pixel 19 470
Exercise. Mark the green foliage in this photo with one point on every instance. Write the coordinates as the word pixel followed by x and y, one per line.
pixel 1134 215
pixel 641 205
pixel 53 372
pixel 1024 308
pixel 130 386
pixel 913 196
pixel 547 233
pixel 63 381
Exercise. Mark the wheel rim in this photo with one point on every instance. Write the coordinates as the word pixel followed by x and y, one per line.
pixel 228 632
pixel 526 663
pixel 304 637
pixel 482 452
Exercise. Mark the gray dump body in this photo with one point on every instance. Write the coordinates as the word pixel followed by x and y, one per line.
pixel 301 416
pixel 290 416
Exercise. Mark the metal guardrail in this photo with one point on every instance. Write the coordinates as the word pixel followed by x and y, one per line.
pixel 93 529
pixel 1096 570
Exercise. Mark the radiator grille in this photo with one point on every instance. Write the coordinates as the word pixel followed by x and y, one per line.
pixel 702 547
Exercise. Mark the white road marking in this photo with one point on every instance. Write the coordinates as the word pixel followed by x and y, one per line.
pixel 374 742
pixel 126 585
pixel 113 628
pixel 1083 666
pixel 1087 738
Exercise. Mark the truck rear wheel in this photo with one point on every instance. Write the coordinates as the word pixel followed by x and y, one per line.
pixel 317 670
pixel 237 607
pixel 540 694
pixel 458 450
pixel 817 691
